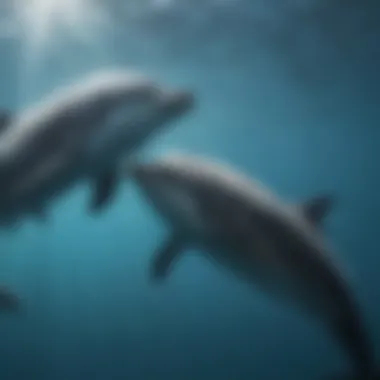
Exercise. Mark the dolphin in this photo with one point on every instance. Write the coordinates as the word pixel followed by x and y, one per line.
pixel 244 227
pixel 79 133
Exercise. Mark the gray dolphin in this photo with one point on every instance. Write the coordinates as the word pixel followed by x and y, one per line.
pixel 243 226
pixel 80 132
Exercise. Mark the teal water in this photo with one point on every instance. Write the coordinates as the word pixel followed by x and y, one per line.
pixel 288 92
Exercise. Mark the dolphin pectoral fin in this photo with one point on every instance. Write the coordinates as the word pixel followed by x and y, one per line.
pixel 317 208
pixel 165 256
pixel 104 189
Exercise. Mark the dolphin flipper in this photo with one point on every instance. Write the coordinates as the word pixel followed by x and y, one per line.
pixel 317 208
pixel 165 256
pixel 104 189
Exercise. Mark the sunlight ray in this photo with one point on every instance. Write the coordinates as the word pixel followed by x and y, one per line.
pixel 44 26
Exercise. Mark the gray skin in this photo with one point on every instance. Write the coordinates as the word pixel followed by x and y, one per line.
pixel 80 133
pixel 242 226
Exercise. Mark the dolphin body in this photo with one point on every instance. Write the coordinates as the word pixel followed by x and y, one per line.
pixel 80 132
pixel 244 227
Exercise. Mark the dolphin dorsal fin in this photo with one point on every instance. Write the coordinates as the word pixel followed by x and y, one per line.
pixel 317 208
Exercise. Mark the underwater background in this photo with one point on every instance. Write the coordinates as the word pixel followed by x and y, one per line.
pixel 288 92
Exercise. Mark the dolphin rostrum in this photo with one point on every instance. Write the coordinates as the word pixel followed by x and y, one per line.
pixel 79 133
pixel 243 226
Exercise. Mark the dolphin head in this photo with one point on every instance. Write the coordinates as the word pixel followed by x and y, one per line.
pixel 174 190
pixel 135 98
pixel 160 181
pixel 194 193
pixel 108 110
pixel 127 108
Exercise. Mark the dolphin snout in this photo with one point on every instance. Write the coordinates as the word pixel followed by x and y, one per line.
pixel 141 173
pixel 180 102
pixel 149 177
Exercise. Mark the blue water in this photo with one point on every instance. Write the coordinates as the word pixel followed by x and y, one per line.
pixel 288 92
